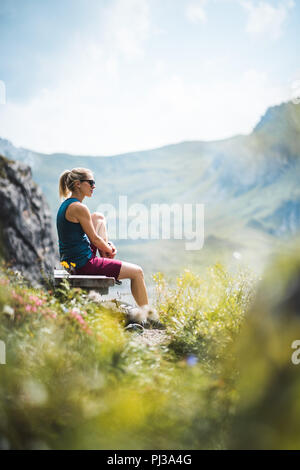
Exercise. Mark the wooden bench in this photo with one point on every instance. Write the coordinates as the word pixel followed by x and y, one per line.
pixel 100 284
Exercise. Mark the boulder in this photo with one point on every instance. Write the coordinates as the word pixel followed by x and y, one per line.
pixel 27 240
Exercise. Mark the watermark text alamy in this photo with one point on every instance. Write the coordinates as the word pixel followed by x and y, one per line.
pixel 159 221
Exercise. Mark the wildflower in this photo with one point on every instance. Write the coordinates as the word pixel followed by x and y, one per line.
pixel 36 300
pixel 73 265
pixel 191 360
pixel 34 393
pixel 75 311
pixel 87 329
pixel 94 296
pixel 9 311
pixel 65 264
pixel 80 319
pixel 28 308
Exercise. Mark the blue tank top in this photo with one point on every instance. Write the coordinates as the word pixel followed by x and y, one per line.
pixel 74 245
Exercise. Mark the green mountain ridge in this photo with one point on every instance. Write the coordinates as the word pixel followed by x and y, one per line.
pixel 248 185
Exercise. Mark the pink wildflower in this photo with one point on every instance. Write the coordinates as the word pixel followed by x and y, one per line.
pixel 80 319
pixel 18 297
pixel 75 311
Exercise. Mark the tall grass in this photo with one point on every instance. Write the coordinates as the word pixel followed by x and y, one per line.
pixel 76 379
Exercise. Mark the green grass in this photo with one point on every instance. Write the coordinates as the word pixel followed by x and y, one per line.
pixel 219 377
pixel 76 379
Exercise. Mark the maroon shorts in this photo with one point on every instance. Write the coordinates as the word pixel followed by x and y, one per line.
pixel 100 266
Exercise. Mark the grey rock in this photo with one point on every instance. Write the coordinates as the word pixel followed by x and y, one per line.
pixel 26 231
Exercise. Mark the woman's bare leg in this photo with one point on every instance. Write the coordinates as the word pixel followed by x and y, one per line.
pixel 128 270
pixel 99 223
pixel 138 286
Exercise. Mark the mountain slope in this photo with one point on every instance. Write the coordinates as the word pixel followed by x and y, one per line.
pixel 249 185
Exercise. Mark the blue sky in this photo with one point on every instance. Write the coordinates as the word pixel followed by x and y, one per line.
pixel 102 77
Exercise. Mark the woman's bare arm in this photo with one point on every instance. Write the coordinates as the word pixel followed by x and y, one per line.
pixel 83 215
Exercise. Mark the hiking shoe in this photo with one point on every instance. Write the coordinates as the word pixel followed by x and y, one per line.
pixel 134 314
pixel 134 327
pixel 154 325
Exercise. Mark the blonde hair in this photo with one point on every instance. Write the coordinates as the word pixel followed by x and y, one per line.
pixel 67 180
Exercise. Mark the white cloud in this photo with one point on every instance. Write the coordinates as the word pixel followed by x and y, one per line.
pixel 159 68
pixel 106 103
pixel 127 27
pixel 265 18
pixel 96 117
pixel 195 12
pixel 213 110
pixel 90 103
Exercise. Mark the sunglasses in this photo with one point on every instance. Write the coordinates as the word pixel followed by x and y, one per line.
pixel 91 182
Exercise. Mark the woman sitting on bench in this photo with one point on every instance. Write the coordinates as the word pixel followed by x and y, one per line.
pixel 81 233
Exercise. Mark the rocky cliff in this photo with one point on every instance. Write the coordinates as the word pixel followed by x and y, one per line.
pixel 26 230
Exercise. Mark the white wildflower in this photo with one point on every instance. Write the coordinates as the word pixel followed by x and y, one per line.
pixel 94 296
pixel 9 311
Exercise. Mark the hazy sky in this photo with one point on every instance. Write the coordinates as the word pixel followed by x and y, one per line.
pixel 100 77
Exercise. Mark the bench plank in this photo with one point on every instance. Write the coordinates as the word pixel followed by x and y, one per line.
pixel 98 283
